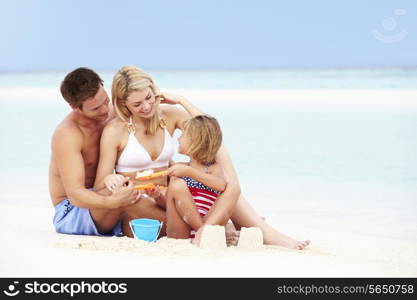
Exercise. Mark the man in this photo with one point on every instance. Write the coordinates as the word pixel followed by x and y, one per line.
pixel 74 160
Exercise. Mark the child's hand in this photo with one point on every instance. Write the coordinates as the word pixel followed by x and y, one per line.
pixel 179 170
pixel 154 192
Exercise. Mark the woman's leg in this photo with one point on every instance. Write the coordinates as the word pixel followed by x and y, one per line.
pixel 106 219
pixel 182 214
pixel 245 216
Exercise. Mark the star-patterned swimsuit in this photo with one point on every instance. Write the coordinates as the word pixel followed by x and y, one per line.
pixel 204 197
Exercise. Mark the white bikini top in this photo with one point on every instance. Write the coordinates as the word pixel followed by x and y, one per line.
pixel 135 158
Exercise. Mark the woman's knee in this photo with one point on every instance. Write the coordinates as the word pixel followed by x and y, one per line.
pixel 143 203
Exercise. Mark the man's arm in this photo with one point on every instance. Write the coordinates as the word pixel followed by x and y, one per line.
pixel 67 146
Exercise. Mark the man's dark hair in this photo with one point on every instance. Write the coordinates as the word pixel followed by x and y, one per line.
pixel 79 85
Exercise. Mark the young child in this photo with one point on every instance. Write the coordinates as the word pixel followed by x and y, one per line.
pixel 194 186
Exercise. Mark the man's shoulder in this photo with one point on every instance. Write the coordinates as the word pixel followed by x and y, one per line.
pixel 67 130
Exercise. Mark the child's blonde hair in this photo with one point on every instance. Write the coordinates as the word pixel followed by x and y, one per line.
pixel 205 138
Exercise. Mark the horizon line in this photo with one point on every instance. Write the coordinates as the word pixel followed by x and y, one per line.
pixel 227 70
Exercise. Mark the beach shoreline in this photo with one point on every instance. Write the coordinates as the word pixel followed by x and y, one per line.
pixel 376 99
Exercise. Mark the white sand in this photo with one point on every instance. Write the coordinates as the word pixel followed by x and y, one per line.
pixel 31 248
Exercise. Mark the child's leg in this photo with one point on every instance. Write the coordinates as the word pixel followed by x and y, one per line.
pixel 182 214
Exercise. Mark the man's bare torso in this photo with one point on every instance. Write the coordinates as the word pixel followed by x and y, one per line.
pixel 90 152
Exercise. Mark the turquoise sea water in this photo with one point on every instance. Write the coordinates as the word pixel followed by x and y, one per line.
pixel 347 169
pixel 261 79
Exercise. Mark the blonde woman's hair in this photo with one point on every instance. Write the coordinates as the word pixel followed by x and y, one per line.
pixel 129 79
pixel 205 138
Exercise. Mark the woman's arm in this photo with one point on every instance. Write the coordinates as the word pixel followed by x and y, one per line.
pixel 190 108
pixel 108 154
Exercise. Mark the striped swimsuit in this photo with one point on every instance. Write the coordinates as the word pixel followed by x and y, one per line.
pixel 204 197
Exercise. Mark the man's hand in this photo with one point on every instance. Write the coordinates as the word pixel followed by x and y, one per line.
pixel 179 170
pixel 113 180
pixel 125 195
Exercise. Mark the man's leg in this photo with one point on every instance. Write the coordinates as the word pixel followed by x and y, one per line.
pixel 105 219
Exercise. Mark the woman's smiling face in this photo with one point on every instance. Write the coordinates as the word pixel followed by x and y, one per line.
pixel 142 103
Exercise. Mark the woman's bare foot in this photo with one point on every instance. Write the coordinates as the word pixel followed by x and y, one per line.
pixel 287 242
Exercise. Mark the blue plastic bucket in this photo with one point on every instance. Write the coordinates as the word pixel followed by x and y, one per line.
pixel 146 229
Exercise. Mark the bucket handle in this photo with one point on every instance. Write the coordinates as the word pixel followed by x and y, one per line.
pixel 157 235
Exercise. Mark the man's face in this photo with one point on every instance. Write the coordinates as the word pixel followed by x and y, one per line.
pixel 97 107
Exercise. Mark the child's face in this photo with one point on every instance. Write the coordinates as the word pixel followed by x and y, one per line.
pixel 183 144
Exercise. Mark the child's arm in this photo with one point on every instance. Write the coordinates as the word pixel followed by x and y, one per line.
pixel 213 179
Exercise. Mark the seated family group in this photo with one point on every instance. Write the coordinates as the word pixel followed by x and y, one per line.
pixel 112 163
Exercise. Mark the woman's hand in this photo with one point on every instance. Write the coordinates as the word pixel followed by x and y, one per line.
pixel 113 180
pixel 179 170
pixel 172 99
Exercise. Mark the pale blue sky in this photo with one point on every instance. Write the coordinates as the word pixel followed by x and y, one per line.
pixel 183 34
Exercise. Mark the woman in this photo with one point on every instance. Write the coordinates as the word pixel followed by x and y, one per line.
pixel 140 138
